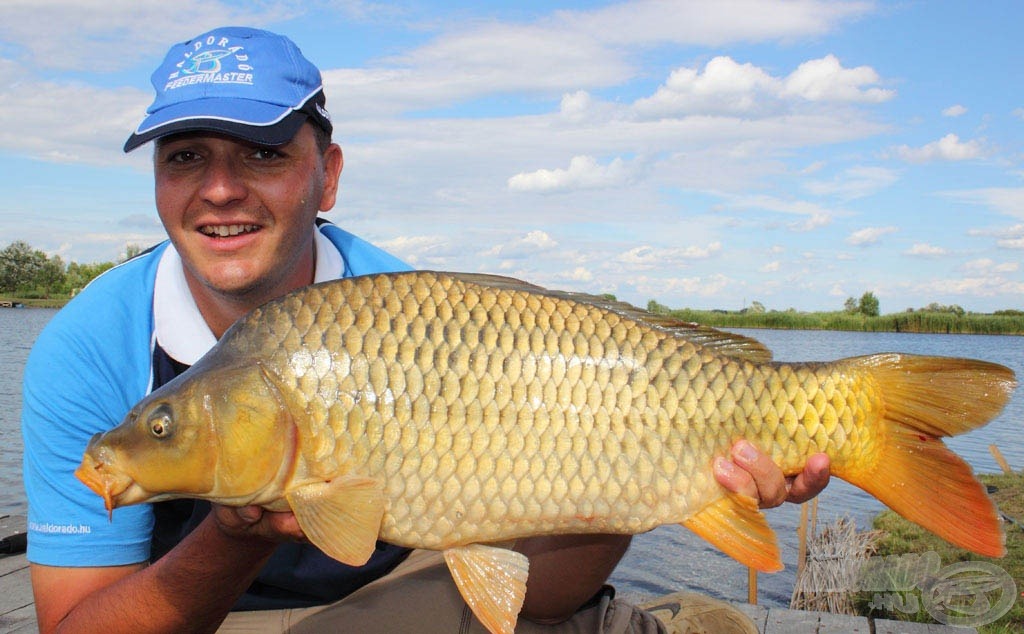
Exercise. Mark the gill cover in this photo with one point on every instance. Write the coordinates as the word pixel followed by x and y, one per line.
pixel 252 429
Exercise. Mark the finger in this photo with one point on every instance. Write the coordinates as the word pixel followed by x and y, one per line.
pixel 733 478
pixel 772 488
pixel 812 480
pixel 285 525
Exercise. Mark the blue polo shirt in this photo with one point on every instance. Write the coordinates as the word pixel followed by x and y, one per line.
pixel 129 331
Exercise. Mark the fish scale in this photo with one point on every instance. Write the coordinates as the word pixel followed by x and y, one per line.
pixel 448 411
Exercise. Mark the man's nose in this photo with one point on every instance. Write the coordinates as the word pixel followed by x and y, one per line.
pixel 223 181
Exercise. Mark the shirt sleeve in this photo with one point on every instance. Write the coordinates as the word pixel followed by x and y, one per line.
pixel 87 368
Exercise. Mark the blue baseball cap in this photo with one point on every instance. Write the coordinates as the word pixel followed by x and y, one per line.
pixel 244 82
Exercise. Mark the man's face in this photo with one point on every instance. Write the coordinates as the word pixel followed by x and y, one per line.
pixel 241 215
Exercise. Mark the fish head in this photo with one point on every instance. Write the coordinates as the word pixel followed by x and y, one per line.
pixel 221 434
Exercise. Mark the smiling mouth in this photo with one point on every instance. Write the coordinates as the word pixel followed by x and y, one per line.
pixel 227 231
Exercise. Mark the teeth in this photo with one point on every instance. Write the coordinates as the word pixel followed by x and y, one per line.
pixel 225 231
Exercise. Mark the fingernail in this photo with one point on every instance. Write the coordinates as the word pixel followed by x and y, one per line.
pixel 745 452
pixel 723 466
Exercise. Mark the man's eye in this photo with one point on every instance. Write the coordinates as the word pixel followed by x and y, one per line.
pixel 184 156
pixel 265 154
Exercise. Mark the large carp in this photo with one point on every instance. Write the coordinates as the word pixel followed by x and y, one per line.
pixel 455 411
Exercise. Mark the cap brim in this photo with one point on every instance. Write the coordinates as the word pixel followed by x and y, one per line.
pixel 278 133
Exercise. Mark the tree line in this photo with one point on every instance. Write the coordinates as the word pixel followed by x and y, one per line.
pixel 29 273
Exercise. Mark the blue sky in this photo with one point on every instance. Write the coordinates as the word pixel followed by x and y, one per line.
pixel 704 154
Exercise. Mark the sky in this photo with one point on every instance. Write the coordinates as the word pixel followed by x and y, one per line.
pixel 704 154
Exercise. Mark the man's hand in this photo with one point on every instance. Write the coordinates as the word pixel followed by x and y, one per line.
pixel 255 521
pixel 753 473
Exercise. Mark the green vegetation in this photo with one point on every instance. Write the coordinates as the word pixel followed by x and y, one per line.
pixel 31 277
pixel 902 537
pixel 860 315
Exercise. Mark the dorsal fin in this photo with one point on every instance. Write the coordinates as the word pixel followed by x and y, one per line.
pixel 718 341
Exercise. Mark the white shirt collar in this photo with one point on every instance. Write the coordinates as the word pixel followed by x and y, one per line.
pixel 179 326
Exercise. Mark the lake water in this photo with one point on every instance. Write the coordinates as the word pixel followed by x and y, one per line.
pixel 668 558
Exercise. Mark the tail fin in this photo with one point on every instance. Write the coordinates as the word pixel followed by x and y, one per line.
pixel 926 398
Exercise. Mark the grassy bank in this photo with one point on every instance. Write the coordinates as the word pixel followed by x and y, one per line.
pixel 917 321
pixel 902 537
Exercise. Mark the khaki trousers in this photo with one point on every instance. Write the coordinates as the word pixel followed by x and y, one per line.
pixel 419 596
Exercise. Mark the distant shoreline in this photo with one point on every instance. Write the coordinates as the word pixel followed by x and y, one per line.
pixel 922 321
pixel 33 303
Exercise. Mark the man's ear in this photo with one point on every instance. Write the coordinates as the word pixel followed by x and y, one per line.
pixel 334 161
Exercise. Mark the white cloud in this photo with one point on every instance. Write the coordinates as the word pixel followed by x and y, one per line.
pixel 1006 237
pixel 1011 243
pixel 648 257
pixel 1005 200
pixel 816 215
pixel 869 235
pixel 580 274
pixel 954 111
pixel 529 245
pixel 421 251
pixel 663 287
pixel 948 148
pixel 855 182
pixel 927 250
pixel 93 122
pixel 107 35
pixel 770 267
pixel 1016 231
pixel 727 86
pixel 985 266
pixel 825 79
pixel 983 286
pixel 710 22
pixel 584 172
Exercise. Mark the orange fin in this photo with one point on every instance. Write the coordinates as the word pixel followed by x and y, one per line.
pixel 492 581
pixel 738 528
pixel 915 474
pixel 341 517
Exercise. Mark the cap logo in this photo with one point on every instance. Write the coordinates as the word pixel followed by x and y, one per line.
pixel 206 61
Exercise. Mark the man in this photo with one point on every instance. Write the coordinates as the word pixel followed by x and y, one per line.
pixel 243 164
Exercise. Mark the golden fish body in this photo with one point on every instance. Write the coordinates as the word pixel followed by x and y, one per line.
pixel 445 411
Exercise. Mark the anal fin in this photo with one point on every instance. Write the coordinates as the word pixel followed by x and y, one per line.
pixel 341 517
pixel 738 528
pixel 492 581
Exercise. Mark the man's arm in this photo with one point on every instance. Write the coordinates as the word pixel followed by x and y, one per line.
pixel 192 588
pixel 566 570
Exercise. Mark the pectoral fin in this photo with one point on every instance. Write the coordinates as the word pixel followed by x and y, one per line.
pixel 738 528
pixel 492 581
pixel 341 517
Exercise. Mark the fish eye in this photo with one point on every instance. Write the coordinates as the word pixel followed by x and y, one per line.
pixel 160 422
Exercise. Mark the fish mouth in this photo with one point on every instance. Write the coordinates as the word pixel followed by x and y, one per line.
pixel 104 482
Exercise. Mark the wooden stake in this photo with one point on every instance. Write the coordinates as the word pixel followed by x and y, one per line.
pixel 801 533
pixel 752 586
pixel 998 455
